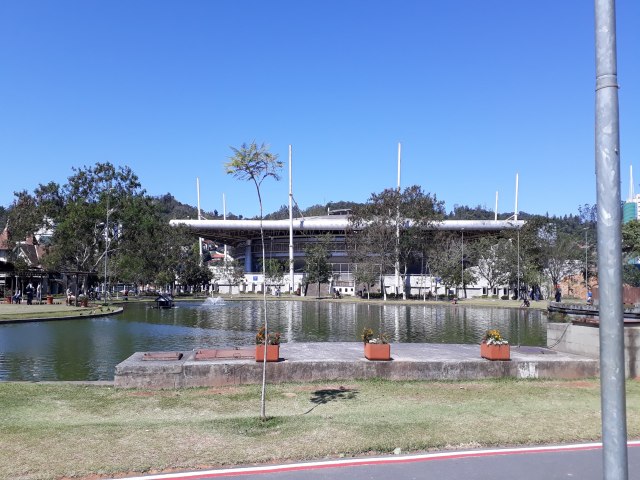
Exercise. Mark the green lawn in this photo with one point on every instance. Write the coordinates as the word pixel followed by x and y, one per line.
pixel 54 430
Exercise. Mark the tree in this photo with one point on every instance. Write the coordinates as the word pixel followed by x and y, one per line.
pixel 560 257
pixel 234 272
pixel 24 218
pixel 193 274
pixel 274 270
pixel 446 261
pixel 255 163
pixel 81 239
pixel 366 273
pixel 491 257
pixel 389 228
pixel 317 268
pixel 631 239
pixel 146 244
pixel 4 215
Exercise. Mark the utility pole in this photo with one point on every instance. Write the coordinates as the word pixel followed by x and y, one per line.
pixel 607 159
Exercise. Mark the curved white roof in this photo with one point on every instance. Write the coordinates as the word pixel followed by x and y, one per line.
pixel 233 232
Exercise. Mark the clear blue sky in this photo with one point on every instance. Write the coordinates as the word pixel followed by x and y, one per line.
pixel 475 91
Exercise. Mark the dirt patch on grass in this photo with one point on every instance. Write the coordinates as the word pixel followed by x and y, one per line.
pixel 153 393
pixel 579 384
pixel 221 391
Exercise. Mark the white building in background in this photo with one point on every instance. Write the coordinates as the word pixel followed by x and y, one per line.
pixel 286 240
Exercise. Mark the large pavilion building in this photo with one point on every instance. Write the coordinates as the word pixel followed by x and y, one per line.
pixel 288 239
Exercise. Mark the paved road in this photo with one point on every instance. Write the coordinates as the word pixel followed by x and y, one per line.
pixel 580 462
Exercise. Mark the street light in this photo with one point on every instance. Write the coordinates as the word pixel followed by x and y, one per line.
pixel 462 261
pixel 586 259
pixel 106 248
pixel 518 293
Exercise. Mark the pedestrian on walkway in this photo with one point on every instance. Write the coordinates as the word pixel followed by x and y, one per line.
pixel 29 292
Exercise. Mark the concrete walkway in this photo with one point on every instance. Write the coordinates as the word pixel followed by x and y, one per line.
pixel 327 361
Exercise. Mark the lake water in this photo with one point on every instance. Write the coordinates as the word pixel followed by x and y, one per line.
pixel 89 349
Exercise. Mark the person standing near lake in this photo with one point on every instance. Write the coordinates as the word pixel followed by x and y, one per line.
pixel 29 292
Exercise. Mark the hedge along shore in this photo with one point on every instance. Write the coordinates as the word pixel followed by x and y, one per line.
pixel 53 431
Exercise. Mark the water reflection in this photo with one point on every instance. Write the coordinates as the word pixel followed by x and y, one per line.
pixel 89 349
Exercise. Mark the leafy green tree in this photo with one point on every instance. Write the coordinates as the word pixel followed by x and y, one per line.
pixel 91 194
pixel 631 275
pixel 274 270
pixel 192 273
pixel 389 228
pixel 147 244
pixel 255 163
pixel 317 268
pixel 631 239
pixel 165 278
pixel 24 218
pixel 4 215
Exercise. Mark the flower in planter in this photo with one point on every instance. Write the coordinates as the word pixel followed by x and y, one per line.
pixel 493 337
pixel 274 338
pixel 369 337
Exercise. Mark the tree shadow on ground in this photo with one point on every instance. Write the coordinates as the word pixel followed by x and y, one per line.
pixel 324 396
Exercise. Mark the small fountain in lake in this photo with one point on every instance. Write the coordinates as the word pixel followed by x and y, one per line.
pixel 213 301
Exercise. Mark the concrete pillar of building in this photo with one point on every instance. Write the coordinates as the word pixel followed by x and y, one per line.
pixel 248 266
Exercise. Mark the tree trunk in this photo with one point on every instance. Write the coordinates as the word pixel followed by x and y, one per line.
pixel 384 290
pixel 404 283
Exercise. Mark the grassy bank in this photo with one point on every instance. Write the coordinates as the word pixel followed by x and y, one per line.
pixel 55 430
pixel 30 312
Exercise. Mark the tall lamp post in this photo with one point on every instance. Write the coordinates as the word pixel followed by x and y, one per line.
pixel 586 260
pixel 106 248
pixel 462 262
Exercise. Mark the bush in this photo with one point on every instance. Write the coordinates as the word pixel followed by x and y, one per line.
pixel 504 297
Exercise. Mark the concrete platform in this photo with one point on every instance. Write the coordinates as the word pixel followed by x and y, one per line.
pixel 303 362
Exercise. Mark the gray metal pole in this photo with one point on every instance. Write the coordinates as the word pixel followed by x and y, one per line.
pixel 462 265
pixel 106 250
pixel 291 265
pixel 607 150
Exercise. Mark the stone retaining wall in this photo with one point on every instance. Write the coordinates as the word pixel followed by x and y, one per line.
pixel 585 340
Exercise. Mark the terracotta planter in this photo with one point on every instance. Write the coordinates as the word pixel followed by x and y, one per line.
pixel 273 353
pixel 495 352
pixel 377 351
pixel 49 299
